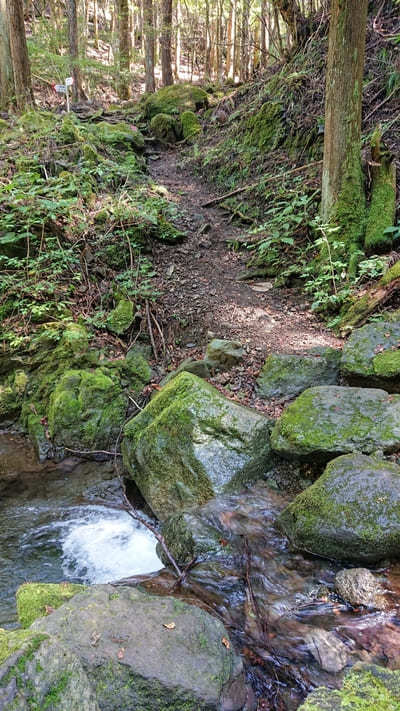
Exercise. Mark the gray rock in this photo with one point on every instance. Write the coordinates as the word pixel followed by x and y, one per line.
pixel 371 356
pixel 326 421
pixel 284 376
pixel 134 661
pixel 352 512
pixel 224 354
pixel 191 443
pixel 328 650
pixel 359 587
pixel 196 367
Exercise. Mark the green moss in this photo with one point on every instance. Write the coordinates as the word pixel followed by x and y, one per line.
pixel 122 317
pixel 33 598
pixel 12 640
pixel 166 128
pixel 191 125
pixel 174 100
pixel 265 129
pixel 120 135
pixel 391 275
pixel 382 211
pixel 387 364
pixel 349 211
pixel 69 131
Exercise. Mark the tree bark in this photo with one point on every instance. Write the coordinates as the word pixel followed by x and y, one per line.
pixel 343 198
pixel 7 88
pixel 124 47
pixel 148 29
pixel 244 69
pixel 298 25
pixel 77 91
pixel 207 66
pixel 19 55
pixel 166 29
pixel 178 47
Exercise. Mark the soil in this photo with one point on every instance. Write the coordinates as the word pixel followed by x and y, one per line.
pixel 203 297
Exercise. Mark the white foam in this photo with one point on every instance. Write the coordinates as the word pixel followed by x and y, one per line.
pixel 102 545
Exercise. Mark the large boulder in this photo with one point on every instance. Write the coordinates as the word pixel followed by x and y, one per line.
pixel 143 652
pixel 366 687
pixel 371 356
pixel 284 376
pixel 175 100
pixel 326 421
pixel 191 443
pixel 352 512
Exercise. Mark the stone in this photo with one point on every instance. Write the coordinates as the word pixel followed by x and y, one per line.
pixel 34 598
pixel 224 354
pixel 366 687
pixel 86 411
pixel 148 652
pixel 166 128
pixel 191 443
pixel 122 317
pixel 174 100
pixel 120 135
pixel 196 367
pixel 327 649
pixel 284 376
pixel 326 421
pixel 358 586
pixel 371 356
pixel 191 125
pixel 352 512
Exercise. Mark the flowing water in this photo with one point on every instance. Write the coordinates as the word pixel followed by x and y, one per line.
pixel 61 522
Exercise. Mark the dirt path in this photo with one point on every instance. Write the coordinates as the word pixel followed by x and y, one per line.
pixel 201 291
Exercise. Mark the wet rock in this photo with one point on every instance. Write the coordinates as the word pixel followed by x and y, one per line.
pixel 352 512
pixel 190 443
pixel 326 421
pixel 328 650
pixel 148 652
pixel 359 587
pixel 122 317
pixel 35 599
pixel 285 376
pixel 366 687
pixel 371 356
pixel 224 354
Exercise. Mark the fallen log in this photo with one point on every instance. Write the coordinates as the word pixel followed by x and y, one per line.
pixel 368 302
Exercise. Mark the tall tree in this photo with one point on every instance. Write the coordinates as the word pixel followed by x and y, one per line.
pixel 19 54
pixel 7 89
pixel 149 47
pixel 124 46
pixel 244 69
pixel 77 91
pixel 343 198
pixel 166 29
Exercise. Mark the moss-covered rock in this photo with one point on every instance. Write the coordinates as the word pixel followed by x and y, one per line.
pixel 120 135
pixel 33 599
pixel 86 411
pixel 122 317
pixel 284 376
pixel 265 128
pixel 366 687
pixel 224 354
pixel 326 421
pixel 371 356
pixel 11 641
pixel 352 512
pixel 175 100
pixel 166 128
pixel 191 125
pixel 190 443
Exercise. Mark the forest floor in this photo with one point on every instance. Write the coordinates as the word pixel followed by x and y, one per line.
pixel 202 295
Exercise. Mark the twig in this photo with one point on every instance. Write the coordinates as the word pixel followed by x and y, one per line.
pixel 381 104
pixel 189 566
pixel 216 200
pixel 153 344
pixel 159 329
pixel 134 402
pixel 253 600
pixel 92 451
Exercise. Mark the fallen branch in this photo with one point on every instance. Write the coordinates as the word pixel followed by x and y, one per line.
pixel 153 343
pixel 216 200
pixel 366 304
pixel 92 451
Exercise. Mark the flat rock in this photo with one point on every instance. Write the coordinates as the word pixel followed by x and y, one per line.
pixel 326 421
pixel 224 354
pixel 352 512
pixel 284 376
pixel 358 586
pixel 328 650
pixel 190 443
pixel 371 356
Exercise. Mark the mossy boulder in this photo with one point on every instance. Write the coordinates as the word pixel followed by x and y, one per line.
pixel 265 129
pixel 86 411
pixel 166 128
pixel 38 599
pixel 191 125
pixel 352 512
pixel 366 687
pixel 122 317
pixel 147 652
pixel 119 135
pixel 326 421
pixel 190 443
pixel 371 356
pixel 224 354
pixel 175 100
pixel 284 376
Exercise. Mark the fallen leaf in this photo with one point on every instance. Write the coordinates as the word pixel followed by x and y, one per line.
pixel 121 653
pixel 170 625
pixel 94 638
pixel 48 609
pixel 226 642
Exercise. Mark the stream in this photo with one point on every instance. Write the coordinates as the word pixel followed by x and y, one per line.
pixel 59 521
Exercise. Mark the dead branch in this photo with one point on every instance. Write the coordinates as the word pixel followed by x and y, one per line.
pixel 153 344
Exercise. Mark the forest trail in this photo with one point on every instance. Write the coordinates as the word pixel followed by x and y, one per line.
pixel 201 291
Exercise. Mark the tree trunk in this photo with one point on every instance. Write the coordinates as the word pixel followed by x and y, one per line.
pixel 298 26
pixel 77 91
pixel 178 47
pixel 244 69
pixel 95 24
pixel 343 198
pixel 19 55
pixel 148 30
pixel 263 33
pixel 7 88
pixel 166 28
pixel 207 67
pixel 124 48
pixel 382 209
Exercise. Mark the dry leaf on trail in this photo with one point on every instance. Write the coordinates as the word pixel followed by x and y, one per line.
pixel 169 625
pixel 48 609
pixel 226 642
pixel 121 653
pixel 262 287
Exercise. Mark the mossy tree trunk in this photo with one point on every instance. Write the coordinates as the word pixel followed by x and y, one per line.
pixel 382 211
pixel 7 89
pixel 166 29
pixel 124 37
pixel 298 25
pixel 19 55
pixel 149 45
pixel 343 197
